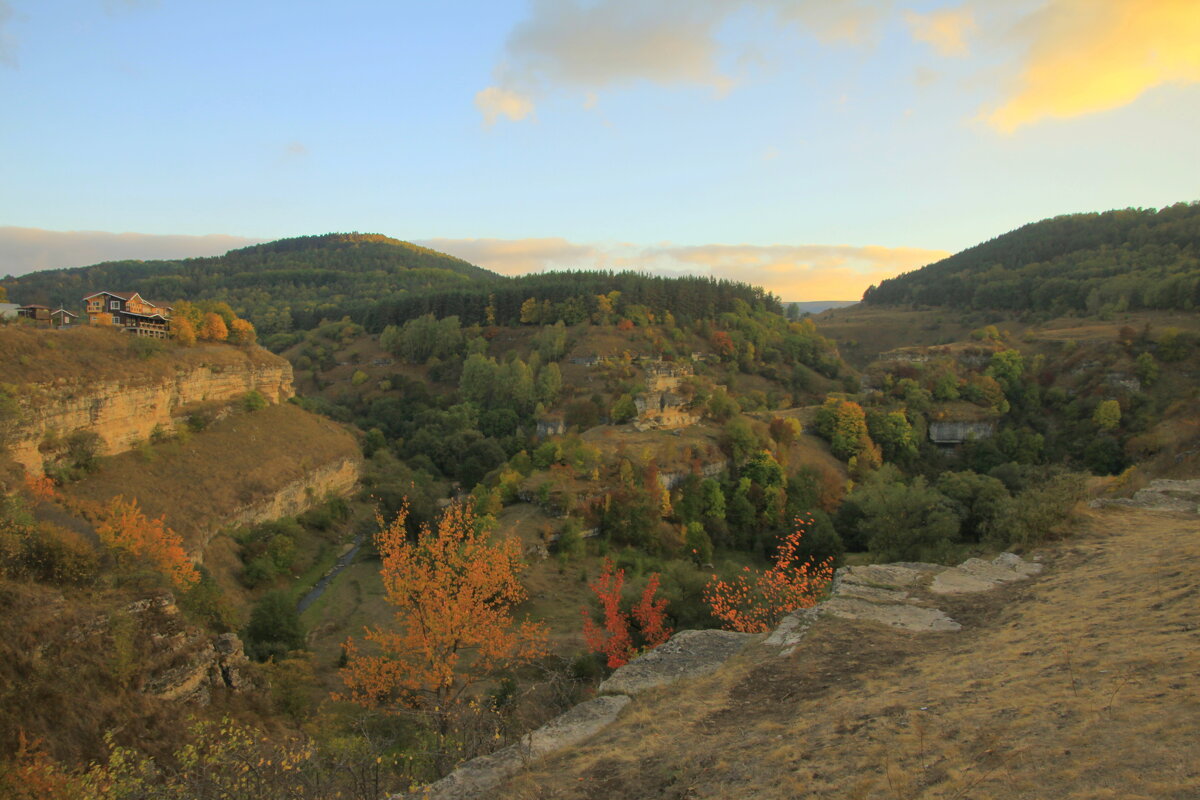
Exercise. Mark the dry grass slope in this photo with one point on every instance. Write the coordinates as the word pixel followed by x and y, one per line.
pixel 1081 683
pixel 36 355
pixel 208 479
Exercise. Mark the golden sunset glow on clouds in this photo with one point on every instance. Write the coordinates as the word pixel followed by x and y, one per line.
pixel 1057 58
pixel 494 103
pixel 793 272
pixel 1095 55
pixel 946 31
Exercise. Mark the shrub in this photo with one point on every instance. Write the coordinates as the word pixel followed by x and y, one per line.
pixel 83 447
pixel 254 401
pixel 698 543
pixel 1032 516
pixel 754 602
pixel 899 522
pixel 274 629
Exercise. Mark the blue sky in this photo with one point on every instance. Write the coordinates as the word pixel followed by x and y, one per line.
pixel 814 146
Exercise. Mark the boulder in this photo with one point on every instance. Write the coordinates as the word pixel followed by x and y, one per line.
pixel 688 654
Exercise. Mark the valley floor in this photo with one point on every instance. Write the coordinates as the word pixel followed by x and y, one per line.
pixel 1083 682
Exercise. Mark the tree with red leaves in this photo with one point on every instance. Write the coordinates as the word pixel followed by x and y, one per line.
pixel 754 602
pixel 645 622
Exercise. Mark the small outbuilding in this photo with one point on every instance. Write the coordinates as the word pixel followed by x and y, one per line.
pixel 61 318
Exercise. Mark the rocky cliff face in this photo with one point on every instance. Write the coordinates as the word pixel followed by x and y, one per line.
pixel 336 478
pixel 948 432
pixel 127 410
pixel 168 658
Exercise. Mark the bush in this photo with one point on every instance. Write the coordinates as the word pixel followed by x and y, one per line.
pixel 83 448
pixel 50 554
pixel 698 544
pixel 899 522
pixel 1034 515
pixel 254 401
pixel 274 629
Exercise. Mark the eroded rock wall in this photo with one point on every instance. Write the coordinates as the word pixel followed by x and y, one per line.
pixel 126 411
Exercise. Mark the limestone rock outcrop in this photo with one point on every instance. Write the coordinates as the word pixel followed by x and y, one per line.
pixel 166 657
pixel 127 410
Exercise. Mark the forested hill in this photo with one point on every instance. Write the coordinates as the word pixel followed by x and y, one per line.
pixel 294 284
pixel 306 278
pixel 572 297
pixel 1116 260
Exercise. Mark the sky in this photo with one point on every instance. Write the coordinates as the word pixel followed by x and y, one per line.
pixel 811 146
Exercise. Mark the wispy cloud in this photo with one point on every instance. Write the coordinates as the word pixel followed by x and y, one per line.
pixel 8 42
pixel 519 256
pixel 591 47
pixel 794 272
pixel 945 30
pixel 25 250
pixel 494 103
pixel 120 6
pixel 1087 56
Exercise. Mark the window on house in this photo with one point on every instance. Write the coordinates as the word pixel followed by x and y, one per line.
pixel 116 320
pixel 114 303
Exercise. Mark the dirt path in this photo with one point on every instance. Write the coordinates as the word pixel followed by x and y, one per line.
pixel 1083 682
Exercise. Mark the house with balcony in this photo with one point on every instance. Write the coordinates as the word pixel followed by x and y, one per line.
pixel 129 312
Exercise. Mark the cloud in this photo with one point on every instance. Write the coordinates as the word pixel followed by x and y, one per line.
pixel 831 21
pixel 121 6
pixel 794 272
pixel 296 150
pixel 614 42
pixel 8 42
pixel 25 250
pixel 1088 56
pixel 495 102
pixel 593 46
pixel 519 256
pixel 797 272
pixel 946 30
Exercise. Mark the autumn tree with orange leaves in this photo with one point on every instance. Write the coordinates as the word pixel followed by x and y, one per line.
pixel 614 636
pixel 755 602
pixel 123 527
pixel 453 591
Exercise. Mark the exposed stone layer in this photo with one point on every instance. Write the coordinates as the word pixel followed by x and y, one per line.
pixel 479 776
pixel 688 654
pixel 127 411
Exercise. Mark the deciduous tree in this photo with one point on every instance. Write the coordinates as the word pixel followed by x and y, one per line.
pixel 122 526
pixel 621 634
pixel 241 331
pixel 754 601
pixel 453 591
pixel 183 331
pixel 213 328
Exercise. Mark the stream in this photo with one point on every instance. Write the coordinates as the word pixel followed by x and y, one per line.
pixel 327 578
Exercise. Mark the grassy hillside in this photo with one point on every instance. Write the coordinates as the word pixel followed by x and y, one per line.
pixel 1073 685
pixel 277 285
pixel 1116 260
pixel 85 354
pixel 295 284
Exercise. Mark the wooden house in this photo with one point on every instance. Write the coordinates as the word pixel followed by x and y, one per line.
pixel 130 312
pixel 61 318
pixel 39 314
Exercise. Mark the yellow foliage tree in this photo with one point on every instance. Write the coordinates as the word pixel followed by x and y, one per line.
pixel 213 328
pixel 241 331
pixel 184 331
pixel 453 591
pixel 122 526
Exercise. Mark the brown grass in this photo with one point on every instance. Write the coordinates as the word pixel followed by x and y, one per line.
pixel 209 476
pixel 863 332
pixel 1078 684
pixel 34 355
